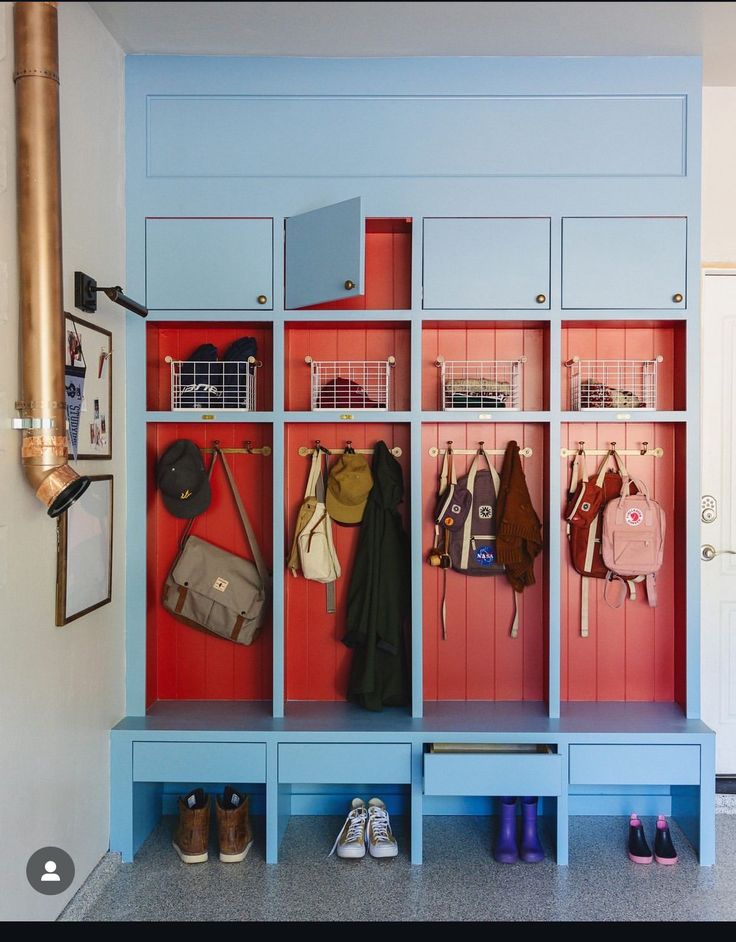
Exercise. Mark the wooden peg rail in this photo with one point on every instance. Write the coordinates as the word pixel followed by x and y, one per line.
pixel 436 452
pixel 644 452
pixel 264 450
pixel 306 452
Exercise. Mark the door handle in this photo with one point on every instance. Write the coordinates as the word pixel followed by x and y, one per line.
pixel 708 552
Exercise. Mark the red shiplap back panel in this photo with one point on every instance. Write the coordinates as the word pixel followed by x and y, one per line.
pixel 183 663
pixel 387 270
pixel 630 652
pixel 479 660
pixel 180 340
pixel 468 341
pixel 317 662
pixel 630 341
pixel 360 341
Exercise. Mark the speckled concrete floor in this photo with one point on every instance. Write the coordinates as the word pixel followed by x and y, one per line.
pixel 458 881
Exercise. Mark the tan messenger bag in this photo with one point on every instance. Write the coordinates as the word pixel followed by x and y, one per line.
pixel 217 591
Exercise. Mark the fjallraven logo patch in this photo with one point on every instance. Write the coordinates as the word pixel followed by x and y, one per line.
pixel 484 556
pixel 185 495
pixel 456 508
pixel 220 584
pixel 585 506
pixel 485 511
pixel 634 516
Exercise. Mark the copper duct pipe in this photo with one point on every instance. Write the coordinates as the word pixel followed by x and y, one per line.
pixel 42 408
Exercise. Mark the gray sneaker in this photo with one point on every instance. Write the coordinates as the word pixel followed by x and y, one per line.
pixel 381 841
pixel 350 842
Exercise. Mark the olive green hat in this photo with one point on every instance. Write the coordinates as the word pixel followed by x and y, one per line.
pixel 348 486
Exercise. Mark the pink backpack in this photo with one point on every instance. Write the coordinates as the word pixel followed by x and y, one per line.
pixel 633 542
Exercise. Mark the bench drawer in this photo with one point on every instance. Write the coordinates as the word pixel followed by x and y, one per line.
pixel 497 774
pixel 336 763
pixel 199 762
pixel 634 765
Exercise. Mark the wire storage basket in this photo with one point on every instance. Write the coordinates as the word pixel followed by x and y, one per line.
pixel 351 384
pixel 480 384
pixel 228 386
pixel 613 384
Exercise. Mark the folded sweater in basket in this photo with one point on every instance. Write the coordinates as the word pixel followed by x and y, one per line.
pixel 597 396
pixel 340 393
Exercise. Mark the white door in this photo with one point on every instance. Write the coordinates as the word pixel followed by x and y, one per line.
pixel 718 607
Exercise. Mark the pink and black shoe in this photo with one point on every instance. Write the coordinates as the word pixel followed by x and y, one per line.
pixel 664 850
pixel 639 850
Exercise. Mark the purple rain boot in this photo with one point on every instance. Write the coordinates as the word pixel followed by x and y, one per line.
pixel 505 849
pixel 531 849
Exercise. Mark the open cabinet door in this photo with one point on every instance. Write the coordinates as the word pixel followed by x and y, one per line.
pixel 325 254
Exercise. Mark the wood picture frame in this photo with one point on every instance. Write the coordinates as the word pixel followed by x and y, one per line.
pixel 90 346
pixel 84 554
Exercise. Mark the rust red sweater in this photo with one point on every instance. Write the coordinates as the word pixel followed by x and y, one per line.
pixel 519 533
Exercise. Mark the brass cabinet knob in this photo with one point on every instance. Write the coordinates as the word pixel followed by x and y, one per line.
pixel 262 299
pixel 541 298
pixel 349 285
pixel 677 298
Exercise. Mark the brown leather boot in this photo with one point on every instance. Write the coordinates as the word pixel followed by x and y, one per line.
pixel 233 825
pixel 193 831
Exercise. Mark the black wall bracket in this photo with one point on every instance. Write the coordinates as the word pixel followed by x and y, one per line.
pixel 85 296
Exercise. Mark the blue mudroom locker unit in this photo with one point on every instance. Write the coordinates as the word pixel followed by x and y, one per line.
pixel 413 214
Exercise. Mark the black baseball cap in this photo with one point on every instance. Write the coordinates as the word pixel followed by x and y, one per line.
pixel 182 480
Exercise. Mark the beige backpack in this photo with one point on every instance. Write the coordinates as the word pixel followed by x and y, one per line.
pixel 313 549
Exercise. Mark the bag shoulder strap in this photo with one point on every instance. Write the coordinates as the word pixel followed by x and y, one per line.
pixel 314 474
pixel 247 528
pixel 245 521
pixel 579 471
pixel 473 470
pixel 447 475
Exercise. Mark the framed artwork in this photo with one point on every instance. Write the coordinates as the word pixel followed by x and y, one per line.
pixel 84 557
pixel 88 382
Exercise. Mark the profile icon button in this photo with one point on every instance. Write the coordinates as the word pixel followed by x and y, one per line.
pixel 50 871
pixel 51 875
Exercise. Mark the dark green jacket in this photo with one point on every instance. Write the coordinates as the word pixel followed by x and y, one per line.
pixel 379 593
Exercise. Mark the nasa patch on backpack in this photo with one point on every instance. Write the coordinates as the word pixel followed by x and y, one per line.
pixel 634 516
pixel 485 556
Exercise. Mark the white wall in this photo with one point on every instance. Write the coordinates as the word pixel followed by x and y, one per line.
pixel 719 175
pixel 61 689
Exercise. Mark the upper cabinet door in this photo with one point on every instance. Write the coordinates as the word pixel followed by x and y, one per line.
pixel 209 264
pixel 325 254
pixel 486 263
pixel 624 262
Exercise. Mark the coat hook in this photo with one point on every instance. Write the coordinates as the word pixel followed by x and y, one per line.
pixel 481 445
pixel 581 447
pixel 645 448
pixel 612 448
pixel 247 447
pixel 217 443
